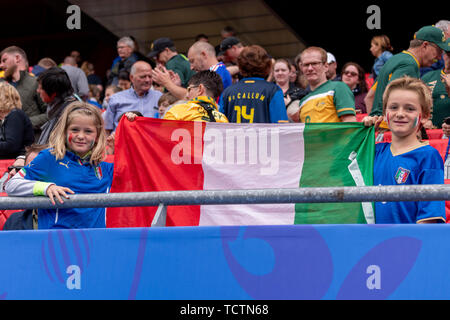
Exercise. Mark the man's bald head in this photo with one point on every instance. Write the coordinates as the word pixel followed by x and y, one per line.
pixel 140 65
pixel 201 56
pixel 69 60
pixel 141 77
pixel 206 47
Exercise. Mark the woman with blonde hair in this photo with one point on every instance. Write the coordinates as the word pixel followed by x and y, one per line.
pixel 16 131
pixel 73 163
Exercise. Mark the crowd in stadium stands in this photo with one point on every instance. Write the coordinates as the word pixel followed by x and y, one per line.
pixel 225 82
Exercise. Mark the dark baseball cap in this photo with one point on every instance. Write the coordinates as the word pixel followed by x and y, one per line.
pixel 435 35
pixel 227 43
pixel 159 45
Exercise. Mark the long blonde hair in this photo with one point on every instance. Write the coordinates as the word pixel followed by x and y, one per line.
pixel 9 98
pixel 58 137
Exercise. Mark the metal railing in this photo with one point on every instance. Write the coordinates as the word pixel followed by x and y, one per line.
pixel 227 197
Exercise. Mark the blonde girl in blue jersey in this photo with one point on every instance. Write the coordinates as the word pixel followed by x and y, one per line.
pixel 72 164
pixel 406 160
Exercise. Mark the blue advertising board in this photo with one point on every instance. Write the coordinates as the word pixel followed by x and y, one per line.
pixel 228 263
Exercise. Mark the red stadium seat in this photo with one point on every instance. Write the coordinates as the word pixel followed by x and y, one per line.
pixel 369 80
pixel 4 214
pixel 434 133
pixel 440 145
pixel 4 164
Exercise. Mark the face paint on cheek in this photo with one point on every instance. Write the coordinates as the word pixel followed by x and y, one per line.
pixel 69 139
pixel 92 144
pixel 388 119
pixel 417 122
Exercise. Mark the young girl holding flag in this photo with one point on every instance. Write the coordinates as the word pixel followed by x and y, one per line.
pixel 406 160
pixel 72 164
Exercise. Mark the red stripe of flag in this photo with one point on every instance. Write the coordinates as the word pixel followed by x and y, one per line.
pixel 139 168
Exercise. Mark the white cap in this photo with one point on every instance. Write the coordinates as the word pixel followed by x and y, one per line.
pixel 330 58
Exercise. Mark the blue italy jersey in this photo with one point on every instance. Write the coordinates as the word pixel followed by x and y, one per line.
pixel 253 100
pixel 221 69
pixel 81 177
pixel 423 165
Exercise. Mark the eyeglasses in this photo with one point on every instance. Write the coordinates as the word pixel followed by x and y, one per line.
pixel 350 73
pixel 17 168
pixel 311 64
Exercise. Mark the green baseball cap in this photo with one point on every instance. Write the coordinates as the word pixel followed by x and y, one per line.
pixel 435 35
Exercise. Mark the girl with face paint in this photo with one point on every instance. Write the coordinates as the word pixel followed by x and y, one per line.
pixel 407 160
pixel 72 164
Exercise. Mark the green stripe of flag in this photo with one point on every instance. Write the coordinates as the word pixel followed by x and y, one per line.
pixel 328 149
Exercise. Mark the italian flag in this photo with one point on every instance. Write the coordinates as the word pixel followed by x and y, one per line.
pixel 166 155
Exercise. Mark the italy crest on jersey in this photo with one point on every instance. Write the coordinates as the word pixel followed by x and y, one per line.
pixel 98 173
pixel 402 175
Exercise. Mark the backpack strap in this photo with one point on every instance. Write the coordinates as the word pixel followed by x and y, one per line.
pixel 209 109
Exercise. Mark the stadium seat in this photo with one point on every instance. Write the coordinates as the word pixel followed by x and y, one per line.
pixel 440 145
pixel 4 164
pixel 369 80
pixel 4 214
pixel 435 133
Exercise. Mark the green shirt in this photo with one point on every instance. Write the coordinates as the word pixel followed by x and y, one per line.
pixel 441 101
pixel 180 65
pixel 399 65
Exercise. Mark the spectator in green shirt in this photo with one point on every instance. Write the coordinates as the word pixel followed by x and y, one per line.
pixel 427 46
pixel 441 101
pixel 165 53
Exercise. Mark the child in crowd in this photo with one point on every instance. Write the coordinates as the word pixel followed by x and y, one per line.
pixel 164 102
pixel 72 164
pixel 406 160
pixel 109 91
pixel 94 96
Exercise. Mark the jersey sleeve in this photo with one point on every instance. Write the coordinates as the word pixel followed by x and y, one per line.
pixel 277 108
pixel 40 167
pixel 344 100
pixel 32 180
